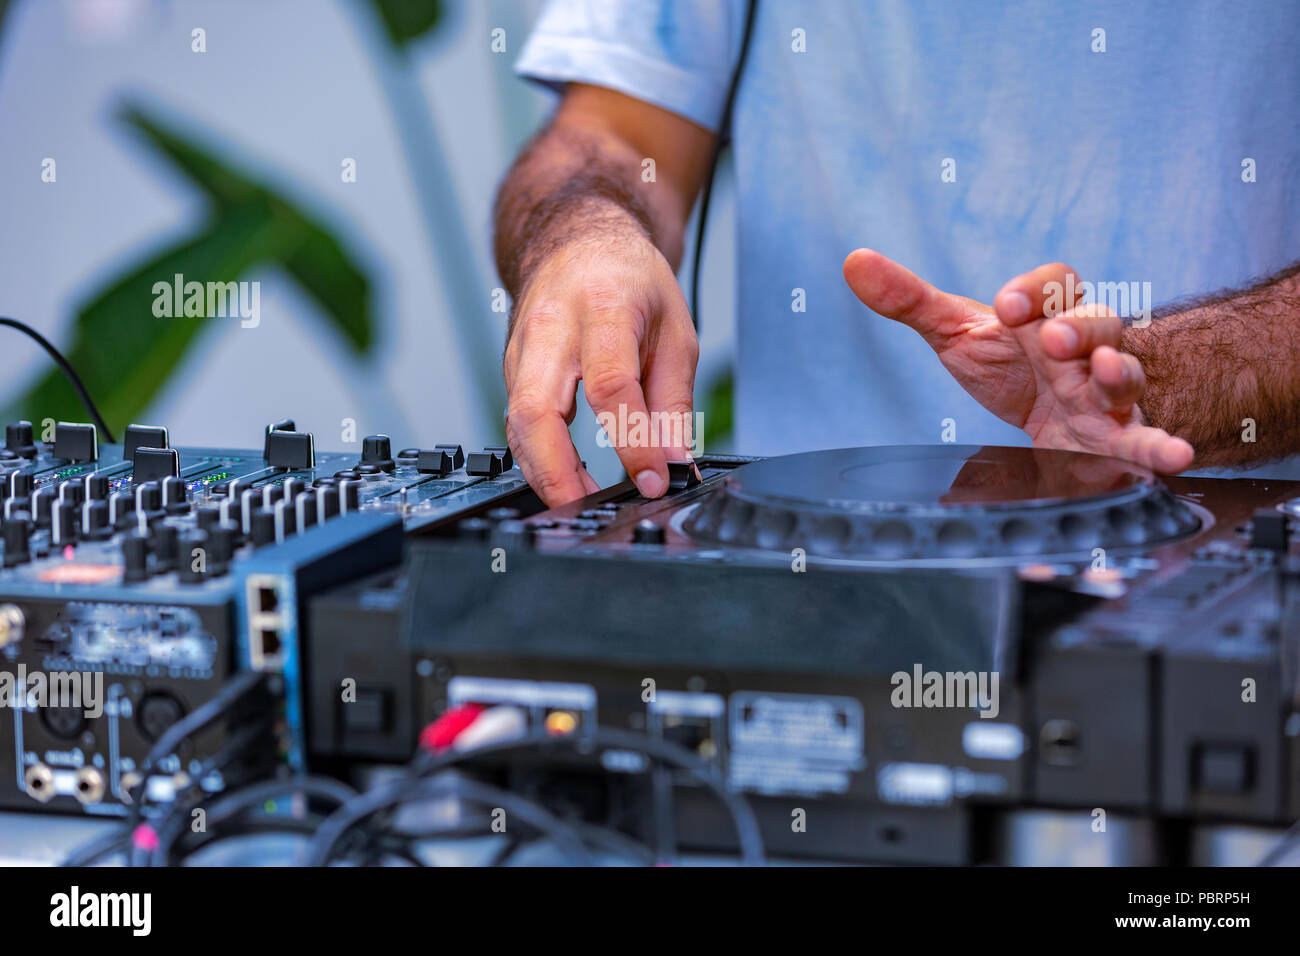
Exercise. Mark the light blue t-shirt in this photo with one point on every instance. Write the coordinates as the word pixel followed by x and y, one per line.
pixel 970 142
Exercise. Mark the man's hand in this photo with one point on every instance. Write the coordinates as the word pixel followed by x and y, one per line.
pixel 587 249
pixel 606 310
pixel 1059 377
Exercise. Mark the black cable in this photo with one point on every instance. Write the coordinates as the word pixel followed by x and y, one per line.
pixel 663 751
pixel 232 750
pixel 191 843
pixel 385 845
pixel 564 835
pixel 400 852
pixel 661 807
pixel 231 693
pixel 321 850
pixel 379 844
pixel 106 844
pixel 73 378
pixel 230 805
pixel 1287 842
pixel 212 710
pixel 506 851
pixel 723 140
pixel 611 841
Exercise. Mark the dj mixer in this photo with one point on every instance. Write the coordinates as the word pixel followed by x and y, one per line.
pixel 162 570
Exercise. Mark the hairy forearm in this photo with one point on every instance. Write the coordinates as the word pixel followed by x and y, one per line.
pixel 575 185
pixel 1226 369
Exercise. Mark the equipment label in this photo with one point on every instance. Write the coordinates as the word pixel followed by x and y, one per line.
pixel 794 743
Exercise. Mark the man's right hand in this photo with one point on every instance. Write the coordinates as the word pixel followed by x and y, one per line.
pixel 586 244
pixel 605 310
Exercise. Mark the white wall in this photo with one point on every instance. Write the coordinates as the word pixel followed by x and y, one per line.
pixel 289 87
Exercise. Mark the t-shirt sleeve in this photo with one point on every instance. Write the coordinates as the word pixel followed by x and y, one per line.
pixel 675 54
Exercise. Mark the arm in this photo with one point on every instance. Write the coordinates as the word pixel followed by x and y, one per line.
pixel 587 161
pixel 587 248
pixel 1212 363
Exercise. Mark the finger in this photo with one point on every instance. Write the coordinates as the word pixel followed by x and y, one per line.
pixel 1116 377
pixel 1154 448
pixel 611 379
pixel 541 407
pixel 670 391
pixel 1081 330
pixel 539 439
pixel 888 289
pixel 1039 292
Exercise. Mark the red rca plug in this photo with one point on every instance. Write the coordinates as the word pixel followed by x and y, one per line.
pixel 442 733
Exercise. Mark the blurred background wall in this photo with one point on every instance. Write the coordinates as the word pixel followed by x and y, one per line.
pixel 376 295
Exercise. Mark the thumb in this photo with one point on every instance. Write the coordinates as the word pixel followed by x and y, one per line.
pixel 885 287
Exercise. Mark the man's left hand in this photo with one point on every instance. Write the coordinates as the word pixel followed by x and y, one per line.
pixel 1059 376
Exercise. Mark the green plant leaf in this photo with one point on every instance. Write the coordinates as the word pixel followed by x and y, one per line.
pixel 122 352
pixel 125 354
pixel 308 251
pixel 225 185
pixel 719 410
pixel 328 276
pixel 407 20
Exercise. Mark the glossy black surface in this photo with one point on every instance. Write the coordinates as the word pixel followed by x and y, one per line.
pixel 939 503
pixel 897 476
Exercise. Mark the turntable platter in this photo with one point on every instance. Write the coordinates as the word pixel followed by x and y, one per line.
pixel 925 502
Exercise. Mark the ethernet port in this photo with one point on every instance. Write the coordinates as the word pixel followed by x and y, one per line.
pixel 268 600
pixel 269 642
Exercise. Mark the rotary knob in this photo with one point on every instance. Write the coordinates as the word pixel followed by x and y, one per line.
pixel 96 487
pixel 94 521
pixel 377 450
pixel 148 497
pixel 135 557
pixel 163 543
pixel 21 484
pixel 175 496
pixel 261 525
pixel 221 550
pixel 65 523
pixel 17 538
pixel 20 439
pixel 72 490
pixel 648 532
pixel 192 567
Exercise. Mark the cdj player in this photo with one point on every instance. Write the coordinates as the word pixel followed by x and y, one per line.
pixel 943 654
